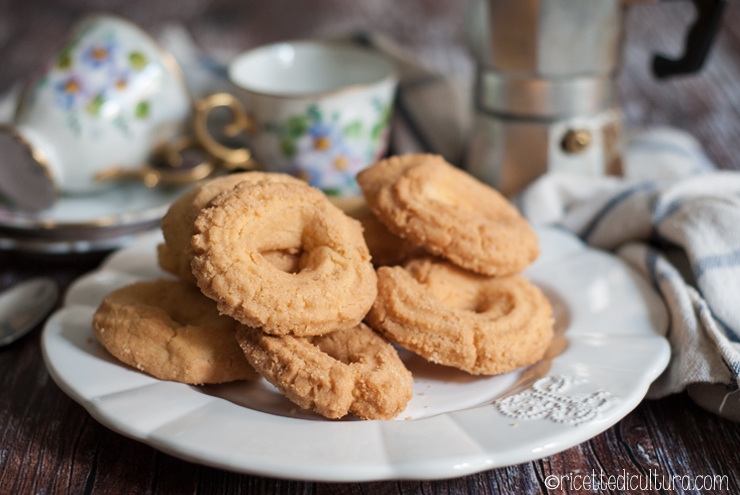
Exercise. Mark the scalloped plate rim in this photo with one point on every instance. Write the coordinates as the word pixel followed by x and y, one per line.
pixel 558 437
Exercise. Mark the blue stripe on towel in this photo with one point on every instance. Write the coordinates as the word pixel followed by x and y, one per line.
pixel 733 386
pixel 667 211
pixel 734 368
pixel 707 263
pixel 731 334
pixel 707 313
pixel 611 204
pixel 651 262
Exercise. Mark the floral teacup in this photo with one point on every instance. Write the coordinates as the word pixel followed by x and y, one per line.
pixel 108 99
pixel 316 110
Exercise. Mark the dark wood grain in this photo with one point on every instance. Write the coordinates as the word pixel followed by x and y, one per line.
pixel 49 444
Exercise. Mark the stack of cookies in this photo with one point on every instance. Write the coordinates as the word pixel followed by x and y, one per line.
pixel 454 293
pixel 289 277
pixel 274 280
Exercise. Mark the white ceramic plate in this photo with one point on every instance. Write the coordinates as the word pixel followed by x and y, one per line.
pixel 608 349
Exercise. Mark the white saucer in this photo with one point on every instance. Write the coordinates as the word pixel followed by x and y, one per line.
pixel 99 222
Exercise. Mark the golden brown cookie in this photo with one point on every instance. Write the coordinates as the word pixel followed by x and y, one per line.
pixel 171 331
pixel 334 286
pixel 385 247
pixel 175 254
pixel 449 213
pixel 349 371
pixel 450 316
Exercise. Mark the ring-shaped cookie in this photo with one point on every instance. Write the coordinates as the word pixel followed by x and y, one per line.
pixel 349 371
pixel 385 247
pixel 449 213
pixel 479 324
pixel 171 331
pixel 336 284
pixel 175 253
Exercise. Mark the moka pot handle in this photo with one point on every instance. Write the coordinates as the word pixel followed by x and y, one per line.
pixel 698 42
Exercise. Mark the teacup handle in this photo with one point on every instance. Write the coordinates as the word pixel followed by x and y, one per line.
pixel 241 123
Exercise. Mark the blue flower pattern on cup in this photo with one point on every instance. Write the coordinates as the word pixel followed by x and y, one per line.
pixel 327 153
pixel 99 54
pixel 90 75
pixel 69 92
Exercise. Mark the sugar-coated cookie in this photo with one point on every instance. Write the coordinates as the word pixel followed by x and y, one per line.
pixel 424 199
pixel 171 331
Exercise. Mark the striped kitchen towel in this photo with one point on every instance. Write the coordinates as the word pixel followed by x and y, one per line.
pixel 676 220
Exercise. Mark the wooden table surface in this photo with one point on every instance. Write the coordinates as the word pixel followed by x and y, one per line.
pixel 50 444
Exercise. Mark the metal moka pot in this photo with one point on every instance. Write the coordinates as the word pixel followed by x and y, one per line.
pixel 545 93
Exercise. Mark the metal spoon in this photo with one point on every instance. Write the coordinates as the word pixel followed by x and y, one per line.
pixel 23 306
